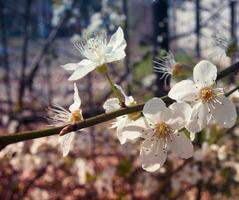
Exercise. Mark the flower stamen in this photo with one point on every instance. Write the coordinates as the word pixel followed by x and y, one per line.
pixel 162 130
pixel 208 95
pixel 75 116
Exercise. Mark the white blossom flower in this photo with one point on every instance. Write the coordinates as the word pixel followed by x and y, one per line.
pixel 128 125
pixel 168 67
pixel 209 102
pixel 162 133
pixel 61 116
pixel 97 53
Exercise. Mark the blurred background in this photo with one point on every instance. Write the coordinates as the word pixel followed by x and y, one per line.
pixel 35 40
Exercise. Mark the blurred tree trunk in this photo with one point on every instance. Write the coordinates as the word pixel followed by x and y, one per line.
pixel 5 57
pixel 22 85
pixel 160 37
pixel 233 7
pixel 198 28
pixel 127 51
pixel 49 41
pixel 233 28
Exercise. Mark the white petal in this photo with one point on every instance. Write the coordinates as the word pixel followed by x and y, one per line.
pixel 70 66
pixel 85 67
pixel 66 142
pixel 77 101
pixel 152 155
pixel 116 46
pixel 121 123
pixel 128 100
pixel 224 114
pixel 183 91
pixel 181 145
pixel 117 41
pixel 115 56
pixel 181 113
pixel 132 130
pixel 153 107
pixel 111 105
pixel 205 73
pixel 199 118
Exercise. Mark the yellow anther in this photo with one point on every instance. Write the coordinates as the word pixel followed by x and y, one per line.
pixel 206 94
pixel 162 130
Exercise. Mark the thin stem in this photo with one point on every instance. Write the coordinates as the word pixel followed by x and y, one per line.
pixel 232 91
pixel 115 91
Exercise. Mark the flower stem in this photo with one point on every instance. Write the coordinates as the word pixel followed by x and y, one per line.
pixel 114 90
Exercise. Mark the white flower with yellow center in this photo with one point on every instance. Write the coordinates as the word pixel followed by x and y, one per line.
pixel 128 125
pixel 97 53
pixel 162 133
pixel 168 67
pixel 209 102
pixel 60 117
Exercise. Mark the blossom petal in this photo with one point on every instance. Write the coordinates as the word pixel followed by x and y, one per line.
pixel 205 73
pixel 153 107
pixel 183 91
pixel 77 101
pixel 181 113
pixel 152 155
pixel 70 66
pixel 115 56
pixel 111 105
pixel 120 124
pixel 133 130
pixel 116 46
pixel 181 145
pixel 199 118
pixel 66 142
pixel 128 100
pixel 117 41
pixel 224 113
pixel 84 67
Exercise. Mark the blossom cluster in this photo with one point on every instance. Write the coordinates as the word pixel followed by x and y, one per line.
pixel 197 102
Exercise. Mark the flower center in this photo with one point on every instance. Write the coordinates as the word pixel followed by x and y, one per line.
pixel 95 49
pixel 177 68
pixel 75 116
pixel 206 95
pixel 162 130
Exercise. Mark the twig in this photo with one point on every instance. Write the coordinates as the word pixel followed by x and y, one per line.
pixel 234 68
pixel 9 139
pixel 231 91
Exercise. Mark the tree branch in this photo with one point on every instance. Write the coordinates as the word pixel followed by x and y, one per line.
pixel 234 68
pixel 10 139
